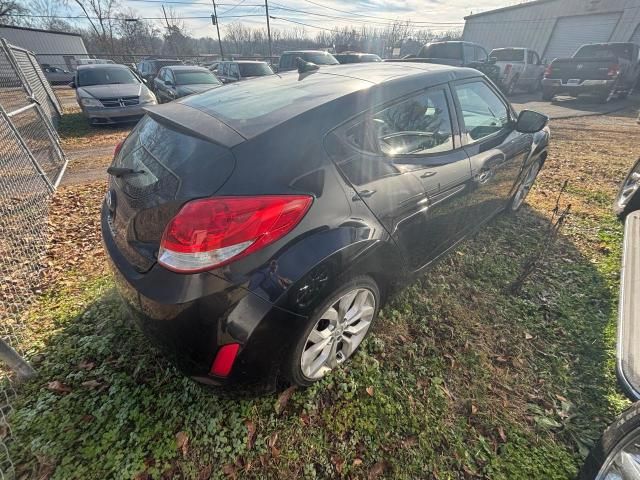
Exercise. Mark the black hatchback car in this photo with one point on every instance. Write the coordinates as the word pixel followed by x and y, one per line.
pixel 256 239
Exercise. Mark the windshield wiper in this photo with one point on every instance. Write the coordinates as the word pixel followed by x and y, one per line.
pixel 123 172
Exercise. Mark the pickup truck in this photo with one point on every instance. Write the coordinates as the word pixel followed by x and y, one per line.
pixel 457 54
pixel 602 69
pixel 520 68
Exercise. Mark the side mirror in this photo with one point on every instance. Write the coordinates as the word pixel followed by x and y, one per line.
pixel 168 83
pixel 531 122
pixel 72 84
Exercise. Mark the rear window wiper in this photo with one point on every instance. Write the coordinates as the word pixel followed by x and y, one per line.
pixel 123 172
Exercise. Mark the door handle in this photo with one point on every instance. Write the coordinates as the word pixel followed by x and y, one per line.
pixel 428 174
pixel 363 194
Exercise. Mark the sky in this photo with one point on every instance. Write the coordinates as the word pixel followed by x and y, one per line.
pixel 436 15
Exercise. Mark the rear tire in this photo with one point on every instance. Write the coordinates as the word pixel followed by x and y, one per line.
pixel 628 198
pixel 614 438
pixel 329 323
pixel 547 96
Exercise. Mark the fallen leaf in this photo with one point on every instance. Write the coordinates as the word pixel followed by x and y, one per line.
pixel 271 443
pixel 91 384
pixel 283 399
pixel 502 435
pixel 473 409
pixel 86 365
pixel 182 441
pixel 229 470
pixel 357 462
pixel 58 387
pixel 376 470
pixel 251 433
pixel 528 336
pixel 370 391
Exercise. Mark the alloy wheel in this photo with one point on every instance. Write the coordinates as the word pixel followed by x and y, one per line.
pixel 629 189
pixel 624 461
pixel 338 333
pixel 525 186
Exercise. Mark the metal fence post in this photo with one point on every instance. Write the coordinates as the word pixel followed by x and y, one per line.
pixel 15 362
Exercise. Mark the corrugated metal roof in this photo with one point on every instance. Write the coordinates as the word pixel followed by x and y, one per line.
pixel 13 27
pixel 510 7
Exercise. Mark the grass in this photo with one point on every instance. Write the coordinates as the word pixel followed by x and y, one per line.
pixel 458 379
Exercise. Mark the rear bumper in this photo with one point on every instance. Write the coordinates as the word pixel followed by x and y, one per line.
pixel 628 348
pixel 587 86
pixel 190 331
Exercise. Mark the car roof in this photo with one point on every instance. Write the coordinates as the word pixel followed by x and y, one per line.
pixel 188 68
pixel 94 66
pixel 291 94
pixel 304 51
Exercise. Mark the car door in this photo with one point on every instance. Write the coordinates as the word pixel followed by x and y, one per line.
pixel 234 72
pixel 170 85
pixel 410 170
pixel 497 152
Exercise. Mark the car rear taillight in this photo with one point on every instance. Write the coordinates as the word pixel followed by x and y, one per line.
pixel 614 70
pixel 548 71
pixel 212 232
pixel 507 69
pixel 116 150
pixel 223 363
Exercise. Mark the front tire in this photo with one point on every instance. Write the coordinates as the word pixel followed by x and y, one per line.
pixel 522 192
pixel 334 331
pixel 616 454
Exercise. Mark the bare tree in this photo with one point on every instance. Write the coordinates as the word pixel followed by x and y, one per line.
pixel 9 8
pixel 101 16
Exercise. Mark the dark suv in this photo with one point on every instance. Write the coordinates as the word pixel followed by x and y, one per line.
pixel 148 69
pixel 255 230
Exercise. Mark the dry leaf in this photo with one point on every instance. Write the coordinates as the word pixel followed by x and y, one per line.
pixel 182 441
pixel 86 365
pixel 473 409
pixel 370 391
pixel 376 470
pixel 58 387
pixel 502 435
pixel 283 399
pixel 91 384
pixel 528 336
pixel 251 433
pixel 357 462
pixel 229 470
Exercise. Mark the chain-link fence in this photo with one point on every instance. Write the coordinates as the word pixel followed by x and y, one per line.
pixel 31 165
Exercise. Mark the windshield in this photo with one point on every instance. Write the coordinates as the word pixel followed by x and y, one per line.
pixel 195 77
pixel 320 58
pixel 508 55
pixel 254 69
pixel 604 51
pixel 105 76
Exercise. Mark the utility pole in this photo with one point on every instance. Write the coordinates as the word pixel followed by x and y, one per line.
pixel 217 24
pixel 169 31
pixel 266 6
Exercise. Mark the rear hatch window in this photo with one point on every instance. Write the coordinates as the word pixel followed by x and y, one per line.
pixel 508 55
pixel 173 167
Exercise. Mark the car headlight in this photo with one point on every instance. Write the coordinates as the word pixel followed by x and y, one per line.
pixel 147 96
pixel 90 102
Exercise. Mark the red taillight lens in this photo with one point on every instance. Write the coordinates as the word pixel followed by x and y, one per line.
pixel 212 232
pixel 548 71
pixel 614 70
pixel 507 69
pixel 222 364
pixel 116 151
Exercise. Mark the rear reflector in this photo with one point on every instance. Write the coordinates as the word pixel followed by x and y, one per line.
pixel 116 150
pixel 212 232
pixel 222 364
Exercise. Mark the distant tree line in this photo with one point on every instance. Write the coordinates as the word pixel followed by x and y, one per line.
pixel 121 33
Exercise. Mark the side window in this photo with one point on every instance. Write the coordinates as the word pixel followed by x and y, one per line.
pixel 225 69
pixel 234 71
pixel 483 112
pixel 161 75
pixel 469 54
pixel 169 76
pixel 285 61
pixel 481 54
pixel 420 125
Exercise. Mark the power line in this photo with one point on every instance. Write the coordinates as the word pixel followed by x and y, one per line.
pixel 235 6
pixel 83 17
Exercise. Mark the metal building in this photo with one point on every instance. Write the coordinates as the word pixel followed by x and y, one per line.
pixel 556 28
pixel 58 49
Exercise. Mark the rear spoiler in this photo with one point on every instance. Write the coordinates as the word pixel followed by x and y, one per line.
pixel 194 122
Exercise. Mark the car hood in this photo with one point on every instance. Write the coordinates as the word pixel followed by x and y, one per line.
pixel 195 88
pixel 114 91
